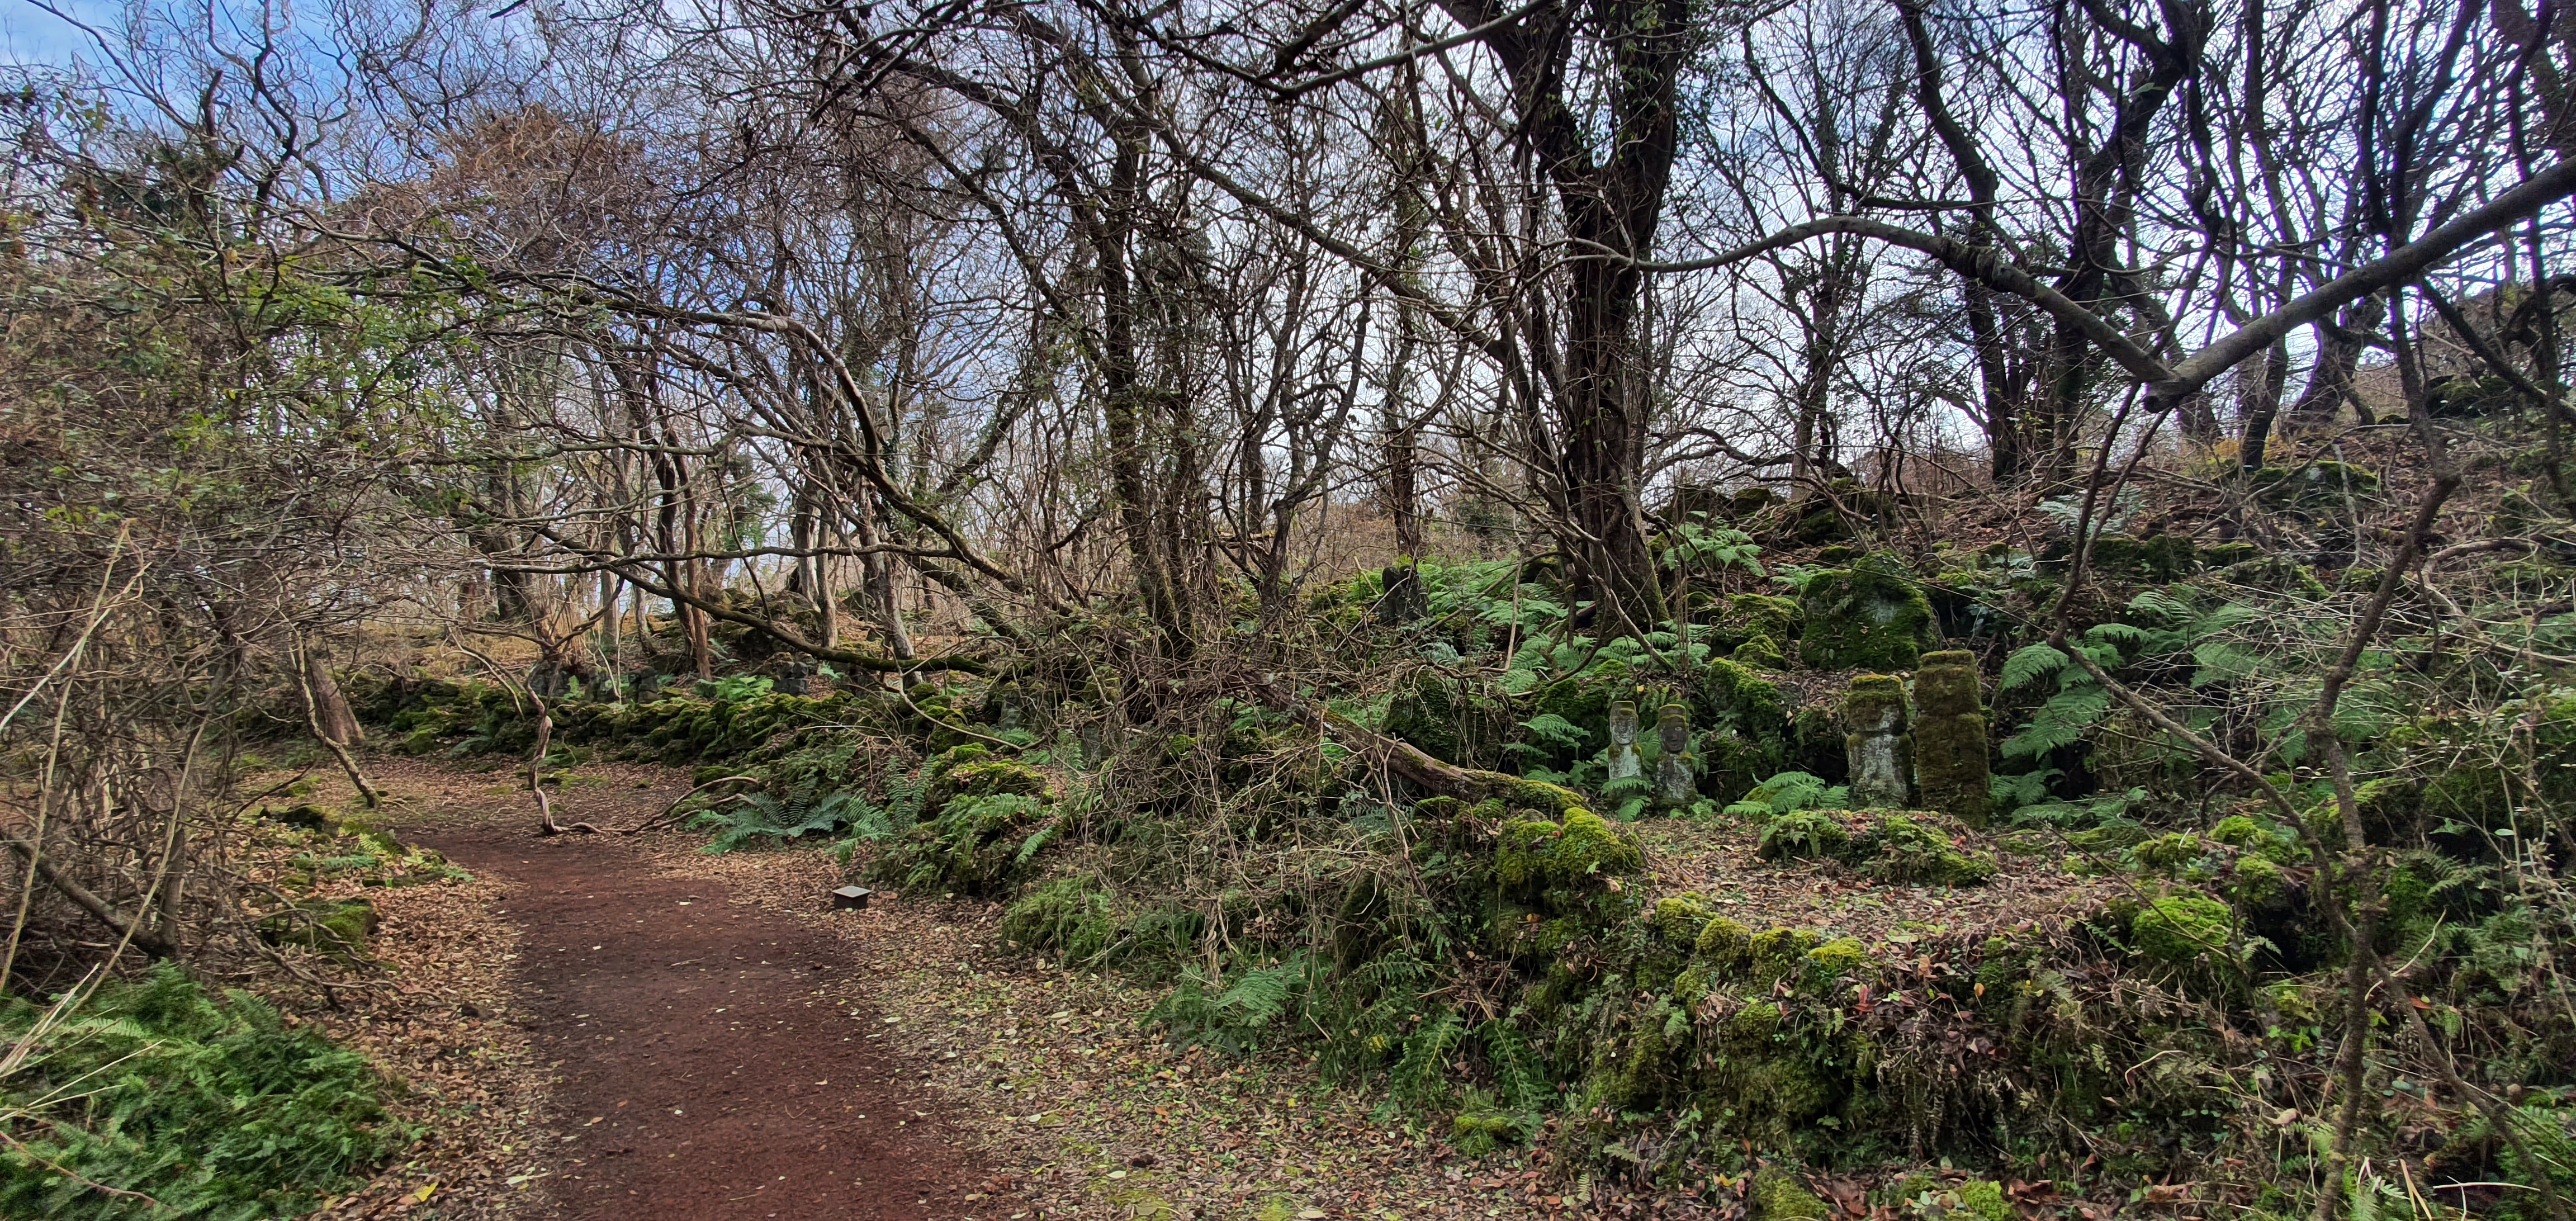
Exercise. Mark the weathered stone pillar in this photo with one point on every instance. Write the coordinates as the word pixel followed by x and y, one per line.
pixel 1875 742
pixel 1626 763
pixel 1002 705
pixel 1950 767
pixel 1675 785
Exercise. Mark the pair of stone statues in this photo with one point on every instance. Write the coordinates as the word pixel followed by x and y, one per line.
pixel 1675 784
pixel 1936 756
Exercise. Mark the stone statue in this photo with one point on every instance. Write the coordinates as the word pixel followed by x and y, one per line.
pixel 1950 744
pixel 1002 706
pixel 1675 785
pixel 1625 761
pixel 1875 742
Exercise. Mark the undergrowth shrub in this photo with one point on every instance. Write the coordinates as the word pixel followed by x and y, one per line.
pixel 213 1108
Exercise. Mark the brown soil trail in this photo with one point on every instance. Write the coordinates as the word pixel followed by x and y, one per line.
pixel 713 1060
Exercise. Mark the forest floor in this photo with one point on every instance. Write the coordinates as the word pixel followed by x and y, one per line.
pixel 702 1036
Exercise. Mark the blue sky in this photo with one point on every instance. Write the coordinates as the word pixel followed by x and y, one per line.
pixel 30 35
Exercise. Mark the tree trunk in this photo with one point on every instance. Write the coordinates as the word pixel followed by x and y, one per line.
pixel 331 715
pixel 1126 400
pixel 2259 401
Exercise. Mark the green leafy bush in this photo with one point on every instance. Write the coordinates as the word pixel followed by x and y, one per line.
pixel 211 1109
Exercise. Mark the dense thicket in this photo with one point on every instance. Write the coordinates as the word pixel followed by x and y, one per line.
pixel 1414 522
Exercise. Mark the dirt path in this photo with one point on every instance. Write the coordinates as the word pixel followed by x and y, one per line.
pixel 714 1060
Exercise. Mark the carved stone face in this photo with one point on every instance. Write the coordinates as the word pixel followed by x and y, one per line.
pixel 1674 726
pixel 1623 722
pixel 1878 719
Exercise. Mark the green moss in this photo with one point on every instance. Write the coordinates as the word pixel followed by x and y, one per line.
pixel 1779 953
pixel 1985 1198
pixel 1908 849
pixel 1739 699
pixel 1536 852
pixel 1426 713
pixel 2257 881
pixel 1723 942
pixel 1681 918
pixel 1776 1195
pixel 1753 1025
pixel 2168 854
pixel 1521 794
pixel 1480 1131
pixel 2159 557
pixel 1438 809
pixel 1864 618
pixel 1836 959
pixel 1758 616
pixel 2321 485
pixel 1903 849
pixel 1592 846
pixel 985 779
pixel 1633 1081
pixel 1951 744
pixel 337 927
pixel 2236 831
pixel 1760 653
pixel 2180 928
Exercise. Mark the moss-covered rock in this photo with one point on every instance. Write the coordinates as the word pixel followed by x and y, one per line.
pixel 2157 557
pixel 310 816
pixel 1777 1195
pixel 1760 653
pixel 1951 746
pixel 2180 928
pixel 340 928
pixel 1864 617
pixel 1427 712
pixel 1540 853
pixel 1913 848
pixel 984 778
pixel 1681 918
pixel 1905 849
pixel 1746 617
pixel 2321 485
pixel 1723 942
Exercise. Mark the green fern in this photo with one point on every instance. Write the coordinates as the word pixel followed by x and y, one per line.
pixel 1554 730
pixel 1787 793
pixel 213 1109
pixel 1422 1076
pixel 1230 1021
pixel 2062 721
pixel 749 816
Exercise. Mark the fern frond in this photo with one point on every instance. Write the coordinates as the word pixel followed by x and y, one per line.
pixel 2030 663
pixel 2059 722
